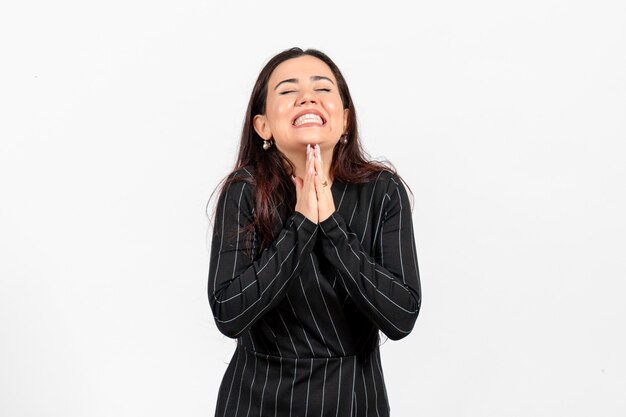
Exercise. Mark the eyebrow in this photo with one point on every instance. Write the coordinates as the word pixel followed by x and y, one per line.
pixel 313 78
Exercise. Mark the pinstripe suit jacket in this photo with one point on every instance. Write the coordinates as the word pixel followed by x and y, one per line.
pixel 307 311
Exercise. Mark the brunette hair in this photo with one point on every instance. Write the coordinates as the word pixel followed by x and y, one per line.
pixel 271 169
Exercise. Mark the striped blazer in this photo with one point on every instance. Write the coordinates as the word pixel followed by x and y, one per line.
pixel 307 310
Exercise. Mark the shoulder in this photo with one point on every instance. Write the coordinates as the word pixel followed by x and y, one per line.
pixel 245 174
pixel 382 188
pixel 384 181
pixel 238 188
pixel 391 188
pixel 240 178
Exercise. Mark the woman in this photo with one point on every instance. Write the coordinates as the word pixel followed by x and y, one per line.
pixel 312 254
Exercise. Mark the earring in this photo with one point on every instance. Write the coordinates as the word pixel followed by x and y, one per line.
pixel 344 138
pixel 267 144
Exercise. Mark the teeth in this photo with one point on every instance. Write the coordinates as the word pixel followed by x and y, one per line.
pixel 308 118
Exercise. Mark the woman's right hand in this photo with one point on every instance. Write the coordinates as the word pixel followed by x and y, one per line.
pixel 306 198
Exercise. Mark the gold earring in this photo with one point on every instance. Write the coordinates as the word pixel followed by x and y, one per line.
pixel 267 144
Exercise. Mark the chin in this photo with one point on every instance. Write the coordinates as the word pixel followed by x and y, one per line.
pixel 313 140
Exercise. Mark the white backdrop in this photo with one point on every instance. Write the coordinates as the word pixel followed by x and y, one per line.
pixel 507 119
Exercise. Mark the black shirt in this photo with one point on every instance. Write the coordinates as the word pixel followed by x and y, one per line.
pixel 306 311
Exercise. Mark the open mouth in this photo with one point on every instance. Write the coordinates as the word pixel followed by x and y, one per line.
pixel 309 118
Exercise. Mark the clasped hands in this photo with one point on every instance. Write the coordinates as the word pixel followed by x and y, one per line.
pixel 314 200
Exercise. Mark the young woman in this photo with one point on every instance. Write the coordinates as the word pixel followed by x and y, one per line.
pixel 312 255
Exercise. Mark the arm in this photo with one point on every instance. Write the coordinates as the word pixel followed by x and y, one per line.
pixel 386 289
pixel 240 288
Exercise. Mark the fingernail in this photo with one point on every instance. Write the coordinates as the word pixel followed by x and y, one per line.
pixel 308 149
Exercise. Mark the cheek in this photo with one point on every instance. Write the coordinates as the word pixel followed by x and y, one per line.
pixel 278 113
pixel 336 109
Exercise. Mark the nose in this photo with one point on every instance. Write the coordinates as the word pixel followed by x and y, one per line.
pixel 307 96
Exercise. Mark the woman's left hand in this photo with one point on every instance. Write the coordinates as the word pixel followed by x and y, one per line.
pixel 325 202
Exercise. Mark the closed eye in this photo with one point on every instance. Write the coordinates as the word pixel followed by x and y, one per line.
pixel 323 89
pixel 286 92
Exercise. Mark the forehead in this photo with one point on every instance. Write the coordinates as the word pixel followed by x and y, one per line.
pixel 300 68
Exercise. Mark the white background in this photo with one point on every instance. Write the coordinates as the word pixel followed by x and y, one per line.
pixel 507 119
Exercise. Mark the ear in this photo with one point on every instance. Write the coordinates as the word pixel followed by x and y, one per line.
pixel 346 112
pixel 262 127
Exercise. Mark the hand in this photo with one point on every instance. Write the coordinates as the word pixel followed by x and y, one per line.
pixel 325 202
pixel 306 198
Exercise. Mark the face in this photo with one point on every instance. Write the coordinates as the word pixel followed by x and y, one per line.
pixel 303 106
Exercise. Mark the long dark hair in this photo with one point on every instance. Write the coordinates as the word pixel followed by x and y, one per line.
pixel 272 169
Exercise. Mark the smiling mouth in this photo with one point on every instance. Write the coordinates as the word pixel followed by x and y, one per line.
pixel 309 118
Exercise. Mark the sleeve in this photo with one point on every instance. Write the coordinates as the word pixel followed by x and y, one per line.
pixel 387 288
pixel 242 288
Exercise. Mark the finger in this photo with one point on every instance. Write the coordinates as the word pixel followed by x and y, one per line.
pixel 310 166
pixel 319 188
pixel 307 182
pixel 319 169
pixel 311 160
pixel 322 191
pixel 318 164
pixel 310 154
pixel 307 200
pixel 298 183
